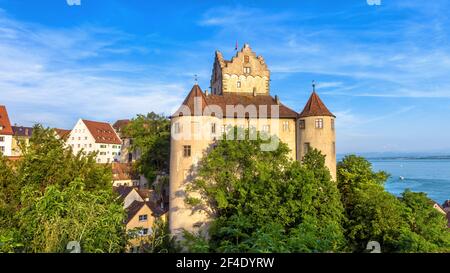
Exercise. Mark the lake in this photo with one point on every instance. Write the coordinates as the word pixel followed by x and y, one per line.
pixel 431 176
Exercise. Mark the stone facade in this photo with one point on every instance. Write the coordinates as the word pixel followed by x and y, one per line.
pixel 197 125
pixel 245 73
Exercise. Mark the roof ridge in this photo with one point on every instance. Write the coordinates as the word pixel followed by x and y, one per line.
pixel 315 107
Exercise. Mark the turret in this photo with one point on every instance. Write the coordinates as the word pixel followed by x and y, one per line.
pixel 186 150
pixel 316 129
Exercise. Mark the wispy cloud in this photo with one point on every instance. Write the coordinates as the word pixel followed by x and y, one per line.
pixel 54 76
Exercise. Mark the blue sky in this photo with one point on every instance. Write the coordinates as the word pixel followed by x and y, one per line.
pixel 383 70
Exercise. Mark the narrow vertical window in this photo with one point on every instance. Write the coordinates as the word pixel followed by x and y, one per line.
pixel 177 128
pixel 286 126
pixel 238 84
pixel 306 147
pixel 213 128
pixel 246 59
pixel 332 124
pixel 319 123
pixel 302 124
pixel 187 151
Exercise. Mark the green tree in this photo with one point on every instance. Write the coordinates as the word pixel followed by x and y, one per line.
pixel 428 227
pixel 48 221
pixel 151 138
pixel 263 201
pixel 50 197
pixel 407 224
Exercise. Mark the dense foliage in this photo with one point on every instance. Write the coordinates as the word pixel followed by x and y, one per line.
pixel 50 197
pixel 406 224
pixel 151 138
pixel 265 202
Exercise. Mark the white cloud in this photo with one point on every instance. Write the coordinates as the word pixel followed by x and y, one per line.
pixel 55 76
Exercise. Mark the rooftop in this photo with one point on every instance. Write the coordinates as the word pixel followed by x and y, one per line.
pixel 102 132
pixel 234 99
pixel 5 124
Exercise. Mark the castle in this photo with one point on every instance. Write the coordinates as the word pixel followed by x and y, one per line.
pixel 240 96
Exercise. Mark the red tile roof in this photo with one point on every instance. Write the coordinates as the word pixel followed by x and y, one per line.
pixel 123 171
pixel 315 107
pixel 234 99
pixel 120 124
pixel 102 132
pixel 5 124
pixel 136 206
pixel 63 133
pixel 195 94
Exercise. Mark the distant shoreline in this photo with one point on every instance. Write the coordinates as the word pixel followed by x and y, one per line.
pixel 410 158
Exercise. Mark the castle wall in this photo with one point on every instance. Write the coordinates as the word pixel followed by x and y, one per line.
pixel 183 169
pixel 244 73
pixel 322 139
pixel 247 83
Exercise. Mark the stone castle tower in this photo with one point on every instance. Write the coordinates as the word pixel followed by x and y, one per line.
pixel 242 81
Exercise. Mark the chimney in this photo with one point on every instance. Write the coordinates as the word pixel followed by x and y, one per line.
pixel 277 99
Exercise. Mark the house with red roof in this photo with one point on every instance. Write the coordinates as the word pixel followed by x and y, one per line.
pixel 6 132
pixel 92 136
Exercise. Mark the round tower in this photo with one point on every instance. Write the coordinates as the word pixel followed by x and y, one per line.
pixel 316 129
pixel 188 146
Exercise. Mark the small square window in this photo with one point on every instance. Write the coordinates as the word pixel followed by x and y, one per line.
pixel 2 139
pixel 143 218
pixel 266 128
pixel 247 70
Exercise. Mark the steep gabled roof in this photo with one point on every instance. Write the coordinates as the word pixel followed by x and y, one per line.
pixel 195 96
pixel 102 132
pixel 5 124
pixel 234 99
pixel 266 101
pixel 315 107
pixel 62 133
pixel 120 124
pixel 123 191
pixel 123 171
pixel 136 206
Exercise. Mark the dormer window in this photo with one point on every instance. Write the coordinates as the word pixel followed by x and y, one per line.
pixel 247 70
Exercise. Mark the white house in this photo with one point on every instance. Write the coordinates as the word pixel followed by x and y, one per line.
pixel 6 133
pixel 92 136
